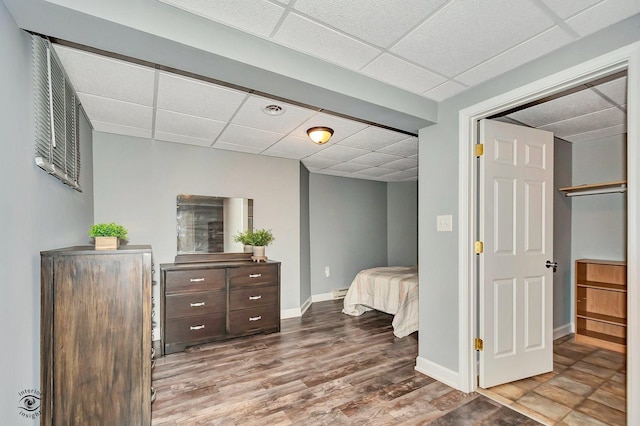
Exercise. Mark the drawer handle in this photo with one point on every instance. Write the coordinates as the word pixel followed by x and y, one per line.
pixel 258 318
pixel 196 280
pixel 255 275
pixel 196 327
pixel 255 297
pixel 193 305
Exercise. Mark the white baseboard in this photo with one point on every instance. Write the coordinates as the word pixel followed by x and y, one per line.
pixel 305 306
pixel 563 330
pixel 438 372
pixel 321 297
pixel 295 312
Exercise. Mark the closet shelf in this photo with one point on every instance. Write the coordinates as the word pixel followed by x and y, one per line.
pixel 595 188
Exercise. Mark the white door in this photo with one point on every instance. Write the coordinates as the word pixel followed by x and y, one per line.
pixel 516 227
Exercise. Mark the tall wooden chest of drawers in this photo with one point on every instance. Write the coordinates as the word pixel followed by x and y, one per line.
pixel 95 343
pixel 208 301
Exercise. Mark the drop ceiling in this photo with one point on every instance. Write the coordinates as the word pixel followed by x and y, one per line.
pixel 433 48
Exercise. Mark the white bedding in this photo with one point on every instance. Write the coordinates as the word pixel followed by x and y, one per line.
pixel 390 289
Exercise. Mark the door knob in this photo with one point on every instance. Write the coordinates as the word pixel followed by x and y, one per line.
pixel 551 264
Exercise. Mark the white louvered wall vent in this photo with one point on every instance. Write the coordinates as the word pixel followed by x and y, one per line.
pixel 56 110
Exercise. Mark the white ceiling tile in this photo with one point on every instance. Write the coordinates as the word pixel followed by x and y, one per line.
pixel 330 172
pixel 315 164
pixel 444 91
pixel 401 164
pixel 188 140
pixel 602 15
pixel 616 90
pixel 187 125
pixel 404 148
pixel 375 159
pixel 310 37
pixel 100 126
pixel 348 167
pixel 251 115
pixel 379 22
pixel 567 8
pixel 529 50
pixel 247 136
pixel 393 70
pixel 189 96
pixel 295 146
pixel 342 128
pixel 375 172
pixel 237 148
pixel 372 138
pixel 586 123
pixel 411 174
pixel 110 78
pixel 597 134
pixel 338 154
pixel 116 112
pixel 254 16
pixel 282 154
pixel 464 33
pixel 560 109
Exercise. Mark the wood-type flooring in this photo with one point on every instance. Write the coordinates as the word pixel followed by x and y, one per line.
pixel 325 368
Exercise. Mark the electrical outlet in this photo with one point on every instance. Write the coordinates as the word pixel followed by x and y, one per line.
pixel 327 271
pixel 444 223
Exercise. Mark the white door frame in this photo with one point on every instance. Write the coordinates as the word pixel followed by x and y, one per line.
pixel 628 58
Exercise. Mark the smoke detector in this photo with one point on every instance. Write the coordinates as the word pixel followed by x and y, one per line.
pixel 273 109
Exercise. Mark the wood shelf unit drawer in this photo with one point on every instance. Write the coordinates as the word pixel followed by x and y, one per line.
pixel 217 300
pixel 261 318
pixel 244 298
pixel 253 275
pixel 194 303
pixel 601 303
pixel 195 280
pixel 195 328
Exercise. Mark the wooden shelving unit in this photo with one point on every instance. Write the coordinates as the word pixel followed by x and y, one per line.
pixel 595 188
pixel 601 303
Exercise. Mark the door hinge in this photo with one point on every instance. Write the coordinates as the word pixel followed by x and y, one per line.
pixel 478 344
pixel 479 149
pixel 478 247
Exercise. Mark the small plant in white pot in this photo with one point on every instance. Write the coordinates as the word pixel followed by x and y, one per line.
pixel 260 238
pixel 245 238
pixel 107 235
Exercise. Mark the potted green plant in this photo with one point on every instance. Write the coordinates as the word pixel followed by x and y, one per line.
pixel 260 238
pixel 107 235
pixel 245 238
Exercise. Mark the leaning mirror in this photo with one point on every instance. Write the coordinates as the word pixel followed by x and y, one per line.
pixel 208 224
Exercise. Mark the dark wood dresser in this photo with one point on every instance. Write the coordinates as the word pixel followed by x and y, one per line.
pixel 95 342
pixel 218 299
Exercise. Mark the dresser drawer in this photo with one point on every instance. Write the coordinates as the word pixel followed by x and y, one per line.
pixel 195 280
pixel 249 297
pixel 253 275
pixel 194 328
pixel 195 303
pixel 254 319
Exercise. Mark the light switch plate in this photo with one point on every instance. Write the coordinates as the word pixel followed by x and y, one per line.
pixel 444 223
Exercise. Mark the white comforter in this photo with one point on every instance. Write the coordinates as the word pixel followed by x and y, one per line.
pixel 392 289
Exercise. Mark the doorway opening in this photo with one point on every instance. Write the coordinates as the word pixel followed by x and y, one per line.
pixel 618 61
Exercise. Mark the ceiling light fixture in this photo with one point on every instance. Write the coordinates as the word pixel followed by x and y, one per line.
pixel 320 135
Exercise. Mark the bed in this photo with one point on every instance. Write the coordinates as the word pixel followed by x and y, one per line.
pixel 390 289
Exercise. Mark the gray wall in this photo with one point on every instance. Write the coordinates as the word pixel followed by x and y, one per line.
pixel 562 279
pixel 38 213
pixel 438 180
pixel 137 180
pixel 305 237
pixel 599 221
pixel 348 223
pixel 402 223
